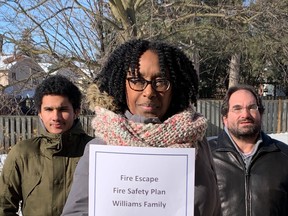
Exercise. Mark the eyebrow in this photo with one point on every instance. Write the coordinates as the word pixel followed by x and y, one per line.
pixel 143 77
pixel 58 108
pixel 238 105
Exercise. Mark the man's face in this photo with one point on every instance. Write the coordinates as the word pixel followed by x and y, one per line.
pixel 244 124
pixel 57 113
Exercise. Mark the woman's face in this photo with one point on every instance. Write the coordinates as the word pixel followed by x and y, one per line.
pixel 148 102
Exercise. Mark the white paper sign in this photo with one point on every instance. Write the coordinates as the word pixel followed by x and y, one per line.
pixel 136 181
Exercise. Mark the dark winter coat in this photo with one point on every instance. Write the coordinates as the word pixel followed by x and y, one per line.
pixel 39 172
pixel 262 189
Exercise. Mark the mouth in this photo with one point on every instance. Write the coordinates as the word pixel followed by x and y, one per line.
pixel 246 122
pixel 148 106
pixel 57 125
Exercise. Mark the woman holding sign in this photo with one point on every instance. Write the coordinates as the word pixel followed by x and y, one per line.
pixel 143 97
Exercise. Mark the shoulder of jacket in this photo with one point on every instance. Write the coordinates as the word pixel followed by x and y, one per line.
pixel 282 146
pixel 88 137
pixel 220 141
pixel 27 146
pixel 213 142
pixel 97 141
pixel 23 150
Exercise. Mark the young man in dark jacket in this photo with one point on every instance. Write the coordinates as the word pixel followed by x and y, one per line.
pixel 251 167
pixel 38 172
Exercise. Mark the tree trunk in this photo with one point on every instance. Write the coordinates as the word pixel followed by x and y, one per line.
pixel 124 11
pixel 1 44
pixel 234 69
pixel 196 61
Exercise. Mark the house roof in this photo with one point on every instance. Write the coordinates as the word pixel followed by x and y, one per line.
pixel 26 93
pixel 45 66
pixel 6 62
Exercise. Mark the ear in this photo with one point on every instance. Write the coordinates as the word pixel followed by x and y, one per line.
pixel 40 115
pixel 224 120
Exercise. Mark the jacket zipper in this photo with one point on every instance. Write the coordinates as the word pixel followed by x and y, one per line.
pixel 247 193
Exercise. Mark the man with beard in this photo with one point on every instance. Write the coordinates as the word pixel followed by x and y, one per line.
pixel 251 167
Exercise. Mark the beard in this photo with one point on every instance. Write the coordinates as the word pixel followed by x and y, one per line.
pixel 246 132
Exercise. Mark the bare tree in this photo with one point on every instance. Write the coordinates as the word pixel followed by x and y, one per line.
pixel 234 69
pixel 80 34
pixel 1 44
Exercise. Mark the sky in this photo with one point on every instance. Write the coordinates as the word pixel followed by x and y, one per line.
pixel 58 29
pixel 6 17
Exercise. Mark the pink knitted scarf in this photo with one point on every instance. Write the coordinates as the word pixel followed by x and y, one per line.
pixel 182 130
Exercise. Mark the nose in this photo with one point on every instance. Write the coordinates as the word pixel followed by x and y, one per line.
pixel 56 115
pixel 149 91
pixel 245 112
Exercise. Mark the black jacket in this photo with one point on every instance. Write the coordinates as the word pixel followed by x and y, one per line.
pixel 260 190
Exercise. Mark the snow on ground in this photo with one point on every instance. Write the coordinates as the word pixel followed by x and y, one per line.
pixel 280 136
pixel 2 158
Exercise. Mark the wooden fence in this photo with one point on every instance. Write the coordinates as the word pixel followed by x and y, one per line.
pixel 275 120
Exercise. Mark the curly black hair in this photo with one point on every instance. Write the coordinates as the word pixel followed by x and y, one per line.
pixel 233 89
pixel 58 85
pixel 183 76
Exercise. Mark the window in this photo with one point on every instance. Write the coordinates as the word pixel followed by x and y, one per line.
pixel 13 76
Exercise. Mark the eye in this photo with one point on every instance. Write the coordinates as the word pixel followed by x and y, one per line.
pixel 48 109
pixel 64 109
pixel 253 107
pixel 161 82
pixel 237 108
pixel 137 81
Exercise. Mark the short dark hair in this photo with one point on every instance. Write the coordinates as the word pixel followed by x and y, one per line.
pixel 58 85
pixel 183 76
pixel 231 90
